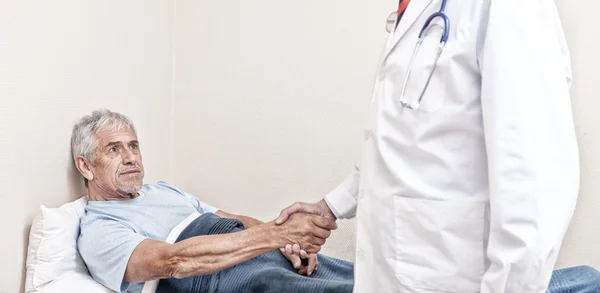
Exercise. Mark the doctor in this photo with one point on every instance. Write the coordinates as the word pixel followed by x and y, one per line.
pixel 469 173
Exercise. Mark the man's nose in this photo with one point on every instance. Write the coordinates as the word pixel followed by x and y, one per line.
pixel 129 157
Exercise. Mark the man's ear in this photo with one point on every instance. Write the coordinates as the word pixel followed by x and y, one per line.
pixel 84 167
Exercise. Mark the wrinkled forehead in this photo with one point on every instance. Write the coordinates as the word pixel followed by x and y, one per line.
pixel 123 135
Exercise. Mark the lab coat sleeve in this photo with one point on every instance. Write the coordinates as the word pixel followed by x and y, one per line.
pixel 531 145
pixel 342 199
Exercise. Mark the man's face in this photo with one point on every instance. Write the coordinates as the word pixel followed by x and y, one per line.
pixel 118 166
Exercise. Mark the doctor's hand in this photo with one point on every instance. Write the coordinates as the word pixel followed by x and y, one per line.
pixel 304 263
pixel 319 208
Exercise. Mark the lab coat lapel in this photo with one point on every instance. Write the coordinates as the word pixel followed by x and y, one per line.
pixel 412 13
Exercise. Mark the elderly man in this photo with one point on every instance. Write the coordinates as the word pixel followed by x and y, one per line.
pixel 123 232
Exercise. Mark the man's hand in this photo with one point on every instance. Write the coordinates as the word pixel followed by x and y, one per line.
pixel 308 231
pixel 319 208
pixel 305 263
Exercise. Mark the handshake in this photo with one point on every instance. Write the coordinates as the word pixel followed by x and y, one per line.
pixel 302 229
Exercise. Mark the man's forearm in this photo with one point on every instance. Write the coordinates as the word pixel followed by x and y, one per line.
pixel 204 255
pixel 200 255
pixel 208 254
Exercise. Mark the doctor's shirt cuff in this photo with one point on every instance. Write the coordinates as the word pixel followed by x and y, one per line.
pixel 341 202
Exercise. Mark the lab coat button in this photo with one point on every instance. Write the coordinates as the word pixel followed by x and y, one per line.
pixel 360 254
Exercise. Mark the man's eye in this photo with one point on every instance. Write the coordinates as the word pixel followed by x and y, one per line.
pixel 113 150
pixel 134 147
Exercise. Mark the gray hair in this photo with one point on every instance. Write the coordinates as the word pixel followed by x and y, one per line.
pixel 83 138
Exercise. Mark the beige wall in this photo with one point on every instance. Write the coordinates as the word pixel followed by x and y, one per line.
pixel 582 244
pixel 270 101
pixel 59 60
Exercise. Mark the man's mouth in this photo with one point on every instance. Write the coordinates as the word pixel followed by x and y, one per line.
pixel 130 172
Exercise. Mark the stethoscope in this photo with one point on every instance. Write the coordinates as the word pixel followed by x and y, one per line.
pixel 391 26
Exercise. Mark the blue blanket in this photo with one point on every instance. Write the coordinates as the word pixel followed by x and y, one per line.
pixel 267 273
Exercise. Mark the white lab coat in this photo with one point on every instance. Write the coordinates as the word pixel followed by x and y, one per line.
pixel 474 192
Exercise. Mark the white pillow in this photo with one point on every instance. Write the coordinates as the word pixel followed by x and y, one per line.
pixel 52 254
pixel 75 283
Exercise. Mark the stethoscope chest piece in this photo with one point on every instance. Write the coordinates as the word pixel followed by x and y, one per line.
pixel 429 25
pixel 390 23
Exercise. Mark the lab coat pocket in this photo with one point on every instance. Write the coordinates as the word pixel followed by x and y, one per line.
pixel 439 244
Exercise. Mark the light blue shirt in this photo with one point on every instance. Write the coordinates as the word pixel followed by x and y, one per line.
pixel 111 230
